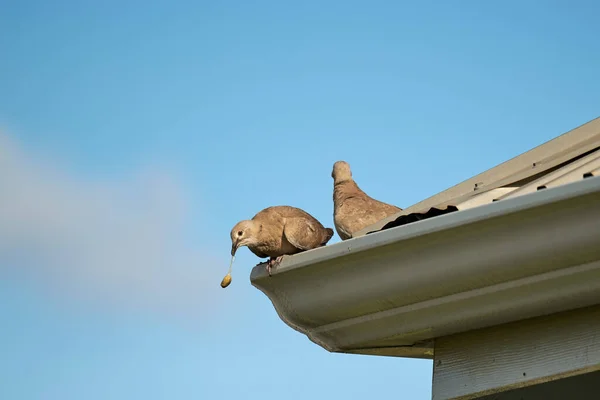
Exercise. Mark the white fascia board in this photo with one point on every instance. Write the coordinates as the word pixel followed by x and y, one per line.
pixel 393 291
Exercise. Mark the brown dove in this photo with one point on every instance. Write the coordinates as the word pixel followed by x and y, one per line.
pixel 353 209
pixel 277 231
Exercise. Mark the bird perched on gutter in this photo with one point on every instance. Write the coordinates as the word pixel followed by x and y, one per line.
pixel 278 231
pixel 353 209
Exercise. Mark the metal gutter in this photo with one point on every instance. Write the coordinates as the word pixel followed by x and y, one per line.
pixel 392 292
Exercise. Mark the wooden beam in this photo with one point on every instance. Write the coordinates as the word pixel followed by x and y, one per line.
pixel 579 387
pixel 497 359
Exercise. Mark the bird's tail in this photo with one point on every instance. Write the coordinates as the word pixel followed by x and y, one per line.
pixel 328 236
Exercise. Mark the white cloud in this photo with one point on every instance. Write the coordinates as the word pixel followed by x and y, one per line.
pixel 120 243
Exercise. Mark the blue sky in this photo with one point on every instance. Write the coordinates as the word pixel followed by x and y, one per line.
pixel 133 136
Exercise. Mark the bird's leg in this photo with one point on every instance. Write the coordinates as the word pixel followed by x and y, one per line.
pixel 268 266
pixel 273 262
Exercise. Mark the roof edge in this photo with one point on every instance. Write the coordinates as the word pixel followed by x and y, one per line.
pixel 387 291
pixel 432 225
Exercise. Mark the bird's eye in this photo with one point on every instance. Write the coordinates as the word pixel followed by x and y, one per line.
pixel 240 233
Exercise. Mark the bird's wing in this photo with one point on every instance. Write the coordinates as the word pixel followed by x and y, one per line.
pixel 302 233
pixel 354 209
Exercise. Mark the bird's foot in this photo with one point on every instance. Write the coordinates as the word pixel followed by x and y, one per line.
pixel 273 262
pixel 268 267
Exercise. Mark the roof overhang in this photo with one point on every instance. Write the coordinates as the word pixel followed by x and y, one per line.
pixel 391 292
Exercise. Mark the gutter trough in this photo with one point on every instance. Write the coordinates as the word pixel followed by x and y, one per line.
pixel 392 292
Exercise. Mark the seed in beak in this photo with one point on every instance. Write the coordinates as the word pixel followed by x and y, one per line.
pixel 227 279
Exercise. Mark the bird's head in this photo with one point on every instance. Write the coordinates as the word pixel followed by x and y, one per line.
pixel 341 172
pixel 243 234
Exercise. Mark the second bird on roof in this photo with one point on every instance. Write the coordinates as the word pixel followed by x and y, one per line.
pixel 283 230
pixel 353 209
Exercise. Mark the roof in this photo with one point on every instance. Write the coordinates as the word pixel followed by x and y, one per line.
pixel 496 183
pixel 584 166
pixel 518 241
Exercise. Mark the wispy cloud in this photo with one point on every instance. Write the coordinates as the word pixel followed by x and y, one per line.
pixel 119 242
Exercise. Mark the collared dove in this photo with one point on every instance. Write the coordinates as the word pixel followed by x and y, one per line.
pixel 277 231
pixel 353 209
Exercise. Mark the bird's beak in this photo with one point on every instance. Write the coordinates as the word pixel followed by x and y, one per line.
pixel 234 248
